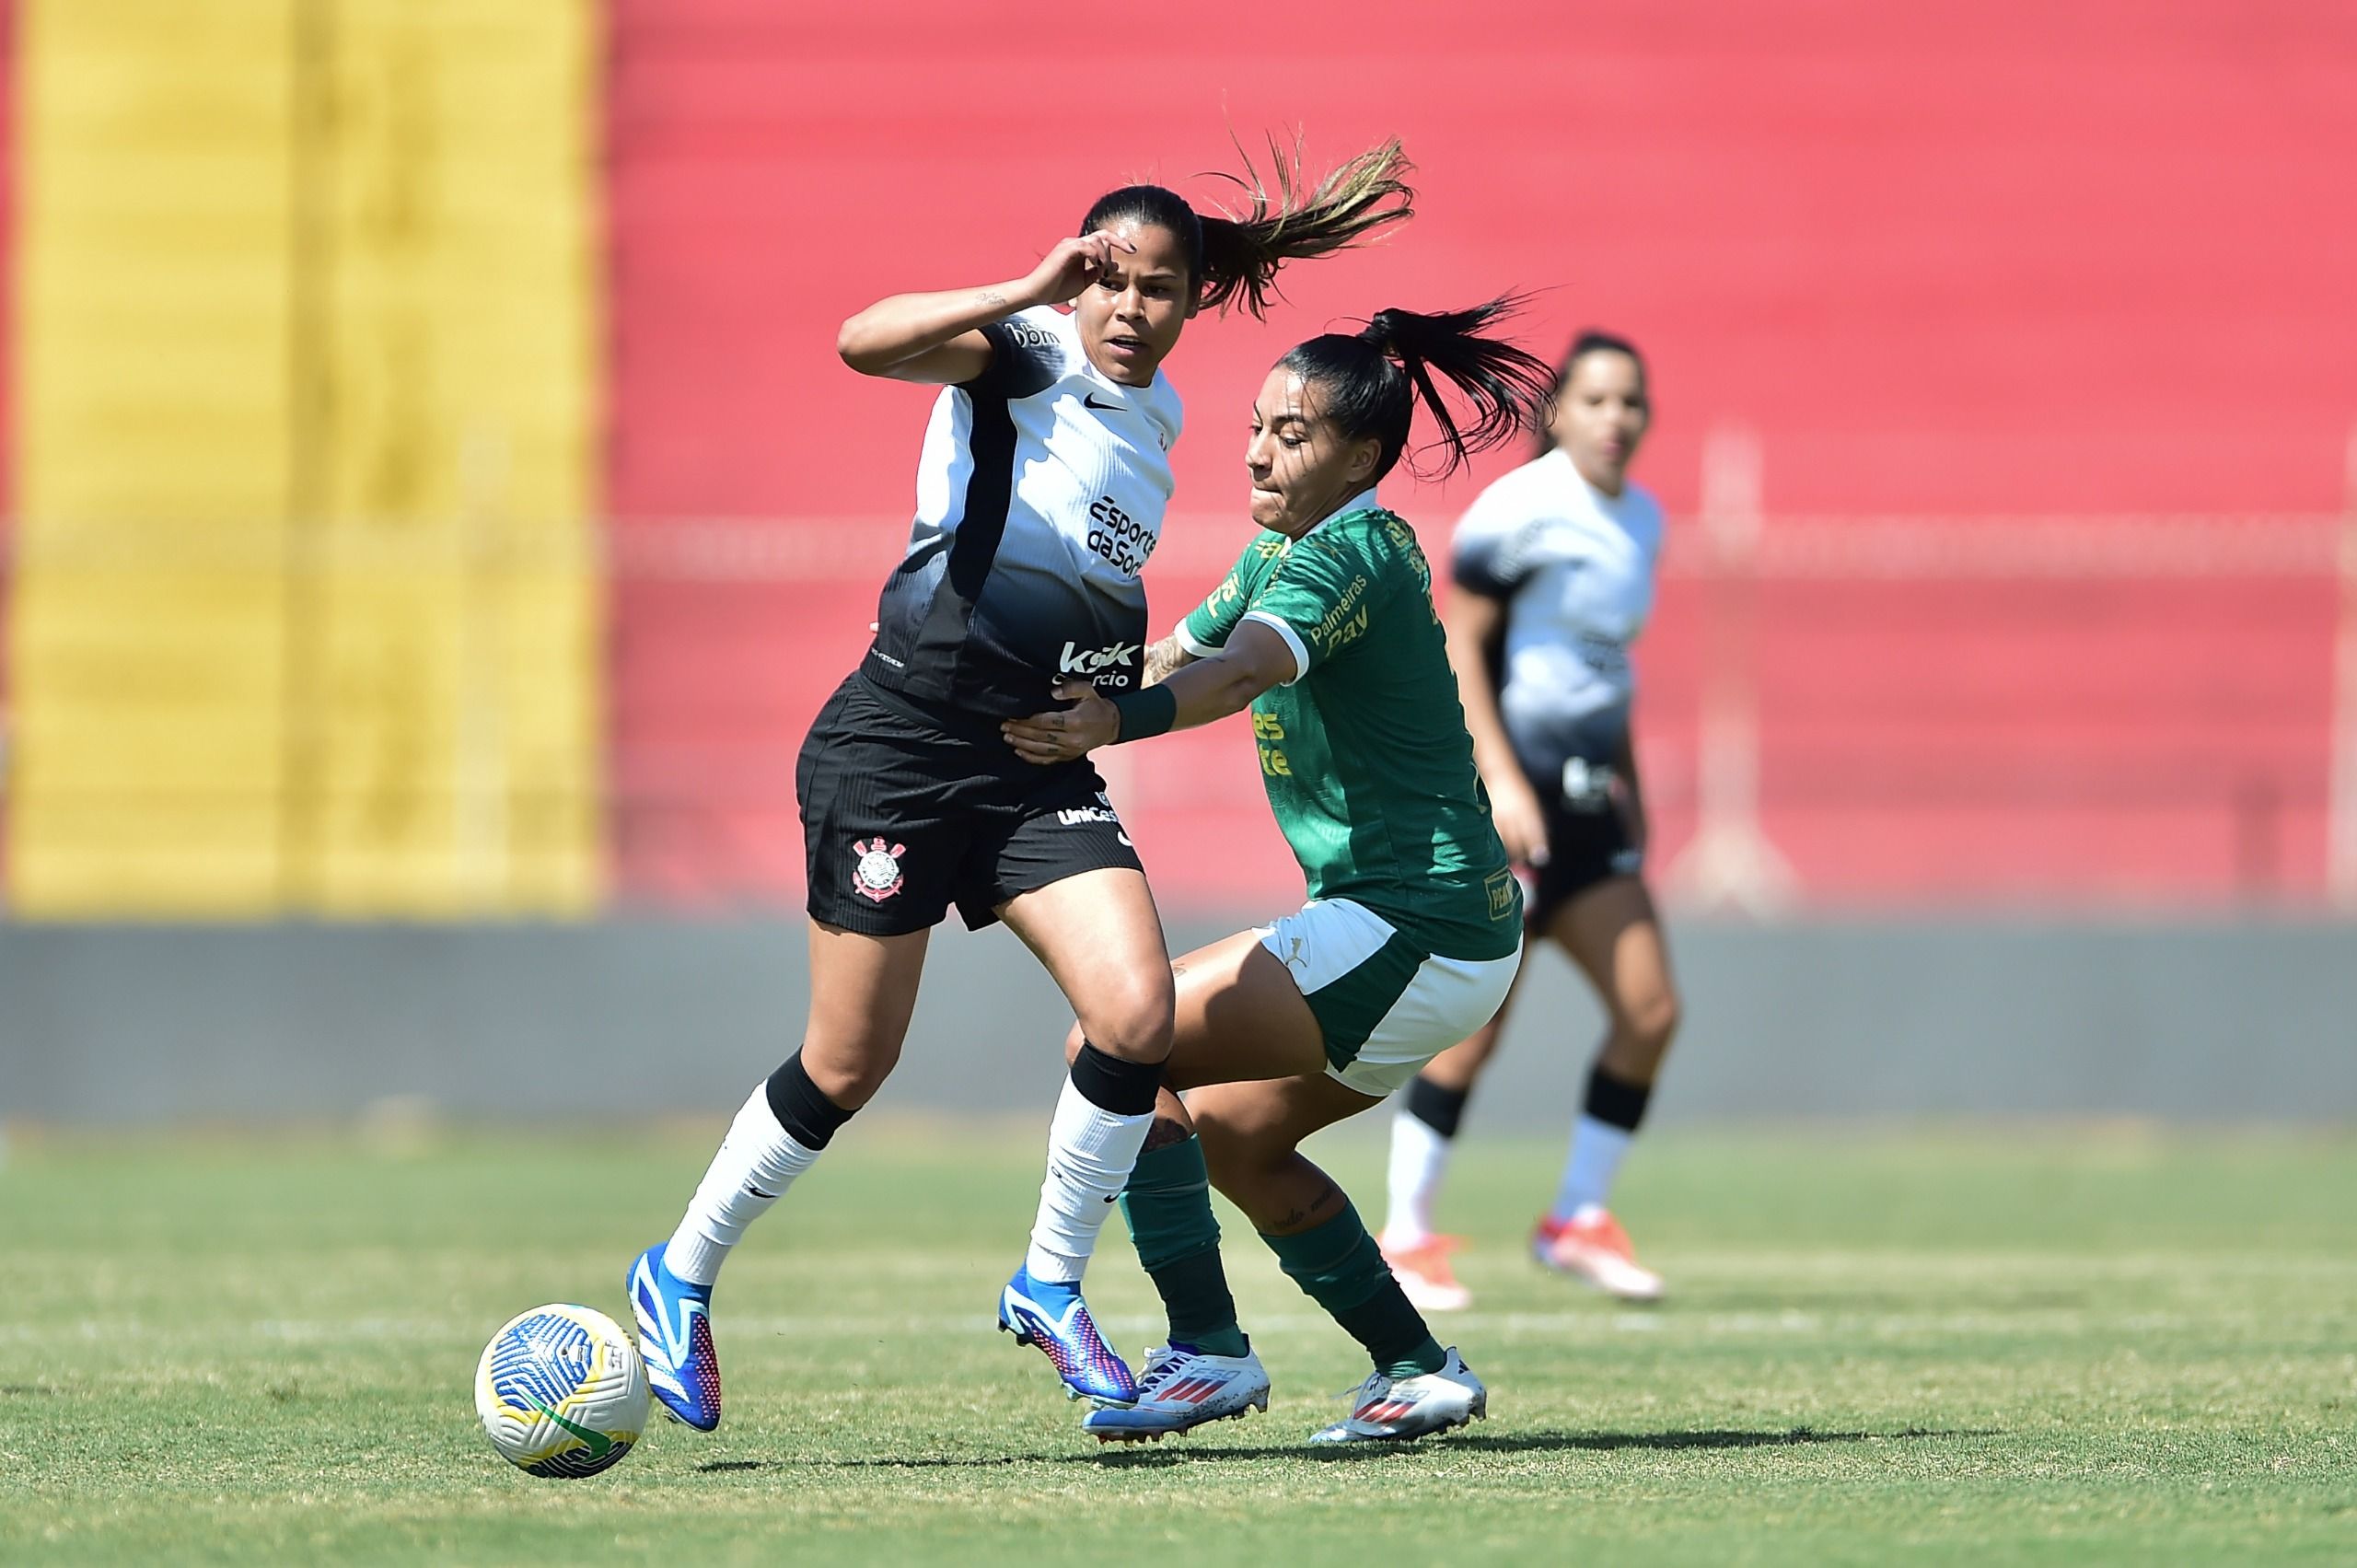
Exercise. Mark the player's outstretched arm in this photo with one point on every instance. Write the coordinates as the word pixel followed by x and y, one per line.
pixel 1255 659
pixel 938 338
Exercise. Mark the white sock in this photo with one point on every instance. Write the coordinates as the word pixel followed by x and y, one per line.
pixel 1090 1155
pixel 1596 1148
pixel 757 1162
pixel 1419 1160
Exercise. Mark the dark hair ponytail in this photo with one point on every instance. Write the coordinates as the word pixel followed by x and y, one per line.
pixel 1592 339
pixel 1236 257
pixel 1370 382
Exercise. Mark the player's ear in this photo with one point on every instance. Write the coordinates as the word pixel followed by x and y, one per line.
pixel 1365 453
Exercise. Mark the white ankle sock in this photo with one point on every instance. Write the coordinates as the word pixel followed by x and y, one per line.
pixel 1090 1155
pixel 1419 1160
pixel 1595 1159
pixel 757 1162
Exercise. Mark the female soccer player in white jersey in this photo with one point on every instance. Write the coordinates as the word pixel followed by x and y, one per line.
pixel 1040 491
pixel 1554 570
pixel 1413 928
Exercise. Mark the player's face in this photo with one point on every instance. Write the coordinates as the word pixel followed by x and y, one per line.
pixel 1301 464
pixel 1601 417
pixel 1132 316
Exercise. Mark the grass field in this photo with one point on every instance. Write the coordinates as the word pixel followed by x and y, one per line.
pixel 2058 1347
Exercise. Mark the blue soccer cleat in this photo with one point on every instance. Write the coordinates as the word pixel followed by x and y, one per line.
pixel 1053 1318
pixel 674 1341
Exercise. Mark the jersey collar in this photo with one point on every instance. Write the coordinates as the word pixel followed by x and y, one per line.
pixel 1364 501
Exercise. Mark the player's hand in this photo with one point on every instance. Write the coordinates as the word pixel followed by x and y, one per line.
pixel 1521 822
pixel 1061 733
pixel 1072 266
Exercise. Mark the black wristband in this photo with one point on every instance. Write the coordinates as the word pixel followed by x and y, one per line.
pixel 1144 713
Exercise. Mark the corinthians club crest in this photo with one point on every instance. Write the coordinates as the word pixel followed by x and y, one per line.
pixel 877 876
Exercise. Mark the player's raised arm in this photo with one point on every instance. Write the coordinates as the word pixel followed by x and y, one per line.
pixel 938 338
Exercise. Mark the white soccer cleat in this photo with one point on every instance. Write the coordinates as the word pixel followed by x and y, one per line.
pixel 1181 1389
pixel 1423 1273
pixel 1591 1245
pixel 1385 1409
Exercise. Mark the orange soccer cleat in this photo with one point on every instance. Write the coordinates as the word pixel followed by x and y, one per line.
pixel 1591 1245
pixel 1422 1268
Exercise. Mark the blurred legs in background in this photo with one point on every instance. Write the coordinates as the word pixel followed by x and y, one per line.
pixel 1614 935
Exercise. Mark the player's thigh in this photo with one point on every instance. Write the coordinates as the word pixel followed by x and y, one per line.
pixel 1613 933
pixel 1251 1131
pixel 887 806
pixel 863 992
pixel 1239 1015
pixel 1100 939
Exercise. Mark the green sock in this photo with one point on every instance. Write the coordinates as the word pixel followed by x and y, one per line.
pixel 1342 1270
pixel 1168 1206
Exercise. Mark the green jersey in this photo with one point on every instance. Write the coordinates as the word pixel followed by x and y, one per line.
pixel 1365 757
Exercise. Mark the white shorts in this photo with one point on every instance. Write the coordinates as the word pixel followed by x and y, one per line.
pixel 1387 1006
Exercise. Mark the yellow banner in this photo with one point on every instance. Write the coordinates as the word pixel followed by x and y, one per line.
pixel 306 616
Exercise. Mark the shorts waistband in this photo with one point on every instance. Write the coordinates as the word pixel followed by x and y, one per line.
pixel 963 723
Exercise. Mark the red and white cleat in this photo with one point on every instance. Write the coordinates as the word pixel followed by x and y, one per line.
pixel 1422 1268
pixel 1385 1409
pixel 1591 1245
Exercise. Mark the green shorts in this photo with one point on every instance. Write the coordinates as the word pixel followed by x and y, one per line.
pixel 1386 1005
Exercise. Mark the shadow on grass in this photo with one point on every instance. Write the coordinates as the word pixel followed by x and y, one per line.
pixel 1183 1452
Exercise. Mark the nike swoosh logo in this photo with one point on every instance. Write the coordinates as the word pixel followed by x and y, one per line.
pixel 1090 399
pixel 600 1444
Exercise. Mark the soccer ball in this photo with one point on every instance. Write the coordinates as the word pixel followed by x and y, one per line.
pixel 561 1392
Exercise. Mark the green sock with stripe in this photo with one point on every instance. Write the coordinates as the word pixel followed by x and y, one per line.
pixel 1169 1206
pixel 1342 1270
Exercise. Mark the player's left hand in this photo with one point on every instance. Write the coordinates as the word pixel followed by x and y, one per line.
pixel 1061 733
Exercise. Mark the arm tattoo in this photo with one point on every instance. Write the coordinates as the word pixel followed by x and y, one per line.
pixel 991 297
pixel 1163 657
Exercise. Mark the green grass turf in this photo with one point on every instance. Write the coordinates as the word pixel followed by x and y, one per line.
pixel 2065 1347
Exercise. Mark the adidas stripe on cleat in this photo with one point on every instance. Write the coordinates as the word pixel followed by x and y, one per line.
pixel 674 1341
pixel 1052 1316
pixel 1386 1410
pixel 1183 1388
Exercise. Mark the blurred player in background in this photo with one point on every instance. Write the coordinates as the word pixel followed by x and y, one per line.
pixel 1040 491
pixel 1554 574
pixel 1412 931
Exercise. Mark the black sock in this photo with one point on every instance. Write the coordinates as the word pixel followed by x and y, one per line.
pixel 1615 1101
pixel 801 1108
pixel 1438 1108
pixel 1122 1088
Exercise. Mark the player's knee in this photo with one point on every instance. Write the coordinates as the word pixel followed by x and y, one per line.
pixel 1650 1020
pixel 850 1078
pixel 1133 1024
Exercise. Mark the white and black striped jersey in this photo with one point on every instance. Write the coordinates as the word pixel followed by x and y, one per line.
pixel 1039 496
pixel 1576 568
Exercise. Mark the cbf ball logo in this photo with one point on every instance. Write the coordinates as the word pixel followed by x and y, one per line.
pixel 878 874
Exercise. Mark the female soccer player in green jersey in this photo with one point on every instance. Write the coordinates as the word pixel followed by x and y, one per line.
pixel 1412 934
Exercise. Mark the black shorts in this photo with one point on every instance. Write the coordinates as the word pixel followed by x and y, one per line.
pixel 907 810
pixel 1587 843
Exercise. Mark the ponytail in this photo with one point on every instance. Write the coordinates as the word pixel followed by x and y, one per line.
pixel 1370 382
pixel 1236 257
pixel 1242 254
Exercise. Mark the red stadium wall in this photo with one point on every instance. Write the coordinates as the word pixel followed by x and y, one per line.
pixel 2024 259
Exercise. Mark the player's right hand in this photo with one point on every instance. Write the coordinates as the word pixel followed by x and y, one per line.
pixel 1073 265
pixel 1521 822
